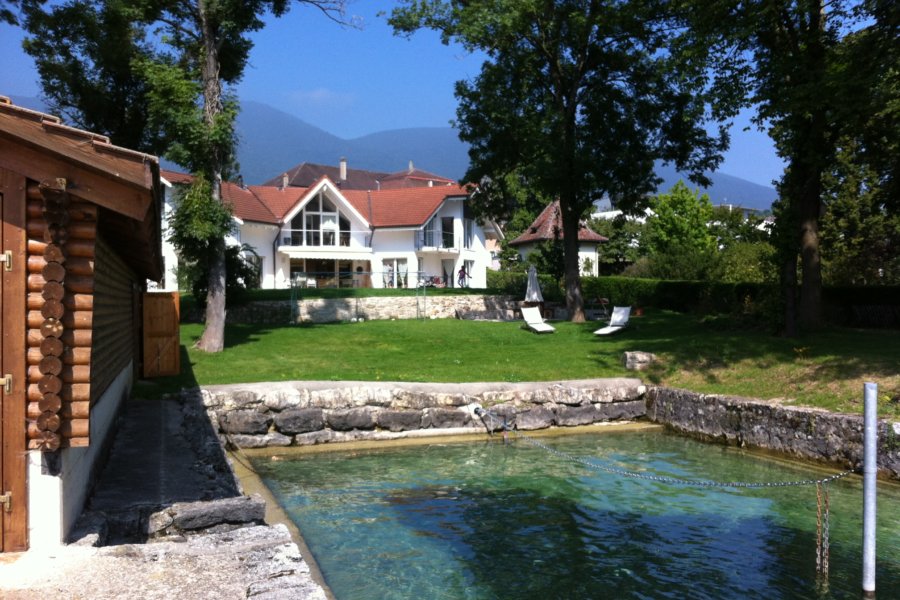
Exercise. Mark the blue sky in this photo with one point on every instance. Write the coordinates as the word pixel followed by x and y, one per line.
pixel 352 82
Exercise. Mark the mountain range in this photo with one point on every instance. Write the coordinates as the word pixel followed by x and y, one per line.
pixel 272 141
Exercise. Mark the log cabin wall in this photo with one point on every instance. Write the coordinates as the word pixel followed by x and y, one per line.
pixel 61 247
pixel 115 332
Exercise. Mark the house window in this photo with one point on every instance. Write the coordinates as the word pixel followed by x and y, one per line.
pixel 468 233
pixel 429 233
pixel 320 224
pixel 447 238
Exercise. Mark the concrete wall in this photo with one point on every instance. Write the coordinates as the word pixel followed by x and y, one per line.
pixel 59 483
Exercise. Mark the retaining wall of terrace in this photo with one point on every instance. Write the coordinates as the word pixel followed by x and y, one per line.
pixel 305 413
pixel 329 310
pixel 808 433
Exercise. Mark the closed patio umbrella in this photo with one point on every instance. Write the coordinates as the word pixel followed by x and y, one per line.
pixel 533 291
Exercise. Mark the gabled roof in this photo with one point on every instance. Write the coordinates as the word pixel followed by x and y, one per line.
pixel 391 208
pixel 401 207
pixel 255 203
pixel 548 226
pixel 414 178
pixel 307 174
pixel 123 183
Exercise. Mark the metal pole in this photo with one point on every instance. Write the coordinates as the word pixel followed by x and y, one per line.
pixel 870 470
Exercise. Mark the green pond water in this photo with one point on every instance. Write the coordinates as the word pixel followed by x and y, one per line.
pixel 494 520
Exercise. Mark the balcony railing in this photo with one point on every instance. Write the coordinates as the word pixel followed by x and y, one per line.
pixel 436 241
pixel 326 239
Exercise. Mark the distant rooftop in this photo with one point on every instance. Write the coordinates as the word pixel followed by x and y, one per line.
pixel 307 174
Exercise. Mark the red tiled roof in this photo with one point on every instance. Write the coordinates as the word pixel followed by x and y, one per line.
pixel 401 207
pixel 548 226
pixel 414 178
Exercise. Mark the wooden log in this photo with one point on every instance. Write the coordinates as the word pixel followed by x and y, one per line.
pixel 76 266
pixel 47 441
pixel 53 253
pixel 72 338
pixel 49 327
pixel 78 211
pixel 69 410
pixel 51 402
pixel 82 248
pixel 69 356
pixel 50 365
pixel 76 319
pixel 33 192
pixel 53 271
pixel 53 290
pixel 56 216
pixel 68 374
pixel 70 301
pixel 48 384
pixel 75 428
pixel 48 421
pixel 50 346
pixel 77 392
pixel 77 230
pixel 56 233
pixel 53 309
pixel 74 284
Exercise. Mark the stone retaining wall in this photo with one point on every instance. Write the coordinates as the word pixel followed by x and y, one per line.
pixel 808 433
pixel 304 413
pixel 327 310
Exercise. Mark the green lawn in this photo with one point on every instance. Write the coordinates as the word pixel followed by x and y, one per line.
pixel 711 355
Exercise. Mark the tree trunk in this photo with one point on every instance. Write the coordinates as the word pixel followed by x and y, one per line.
pixel 213 337
pixel 571 222
pixel 789 294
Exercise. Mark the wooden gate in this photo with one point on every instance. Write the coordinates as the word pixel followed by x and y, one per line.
pixel 13 457
pixel 162 345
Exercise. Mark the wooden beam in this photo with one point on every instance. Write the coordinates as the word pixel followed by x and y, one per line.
pixel 106 190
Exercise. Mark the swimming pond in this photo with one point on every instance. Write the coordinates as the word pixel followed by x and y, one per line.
pixel 494 520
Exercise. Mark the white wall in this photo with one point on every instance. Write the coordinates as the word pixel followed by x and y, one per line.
pixel 55 501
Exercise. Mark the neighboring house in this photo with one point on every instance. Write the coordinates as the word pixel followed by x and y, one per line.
pixel 326 236
pixel 548 226
pixel 80 235
pixel 307 174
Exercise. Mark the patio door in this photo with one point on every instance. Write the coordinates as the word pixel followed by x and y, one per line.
pixel 13 457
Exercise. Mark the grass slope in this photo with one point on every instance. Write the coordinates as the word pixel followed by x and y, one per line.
pixel 827 369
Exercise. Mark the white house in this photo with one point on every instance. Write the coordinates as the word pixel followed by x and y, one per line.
pixel 548 226
pixel 325 236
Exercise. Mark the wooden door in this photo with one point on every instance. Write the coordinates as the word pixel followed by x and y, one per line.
pixel 13 457
pixel 162 345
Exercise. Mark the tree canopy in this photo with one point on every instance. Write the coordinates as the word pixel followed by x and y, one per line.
pixel 580 98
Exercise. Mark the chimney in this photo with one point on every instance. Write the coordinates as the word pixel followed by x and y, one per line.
pixel 430 183
pixel 284 181
pixel 343 171
pixel 411 168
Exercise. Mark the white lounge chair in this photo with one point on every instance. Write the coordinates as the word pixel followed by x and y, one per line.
pixel 618 320
pixel 534 321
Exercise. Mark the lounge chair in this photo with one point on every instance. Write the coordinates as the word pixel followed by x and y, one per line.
pixel 534 321
pixel 618 320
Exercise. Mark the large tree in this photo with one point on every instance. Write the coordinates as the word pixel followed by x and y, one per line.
pixel 580 97
pixel 819 72
pixel 199 49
